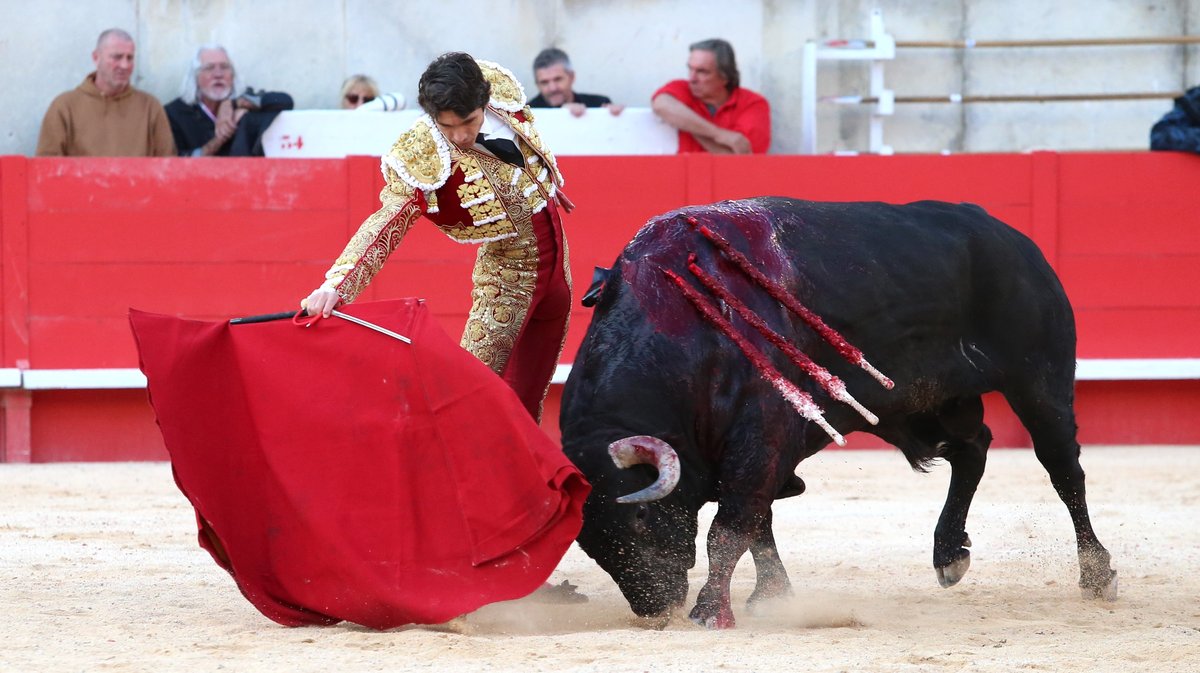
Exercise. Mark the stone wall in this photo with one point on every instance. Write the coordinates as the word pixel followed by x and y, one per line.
pixel 627 48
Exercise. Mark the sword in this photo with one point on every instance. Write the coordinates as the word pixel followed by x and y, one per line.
pixel 285 315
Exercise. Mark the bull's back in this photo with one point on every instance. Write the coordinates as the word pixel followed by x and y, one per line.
pixel 928 291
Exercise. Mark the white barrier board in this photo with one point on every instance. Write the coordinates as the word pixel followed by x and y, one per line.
pixel 306 134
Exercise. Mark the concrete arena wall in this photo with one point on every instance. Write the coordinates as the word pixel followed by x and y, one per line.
pixel 628 48
pixel 83 240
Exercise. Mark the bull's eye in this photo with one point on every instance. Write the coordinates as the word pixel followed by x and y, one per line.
pixel 639 519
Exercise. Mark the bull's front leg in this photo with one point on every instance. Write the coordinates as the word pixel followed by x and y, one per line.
pixel 733 528
pixel 772 578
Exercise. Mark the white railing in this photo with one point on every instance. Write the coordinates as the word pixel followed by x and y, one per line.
pixel 1116 369
pixel 880 47
pixel 304 134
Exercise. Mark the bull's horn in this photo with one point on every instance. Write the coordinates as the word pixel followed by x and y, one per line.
pixel 651 451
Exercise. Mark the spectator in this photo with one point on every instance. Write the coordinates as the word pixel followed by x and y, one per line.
pixel 555 81
pixel 208 119
pixel 1179 129
pixel 357 90
pixel 360 92
pixel 711 109
pixel 105 116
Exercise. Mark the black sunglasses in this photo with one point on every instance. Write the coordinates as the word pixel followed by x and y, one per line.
pixel 352 98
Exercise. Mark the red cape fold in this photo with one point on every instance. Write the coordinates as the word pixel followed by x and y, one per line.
pixel 350 476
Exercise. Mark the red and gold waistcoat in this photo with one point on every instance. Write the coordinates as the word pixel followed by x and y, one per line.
pixel 471 196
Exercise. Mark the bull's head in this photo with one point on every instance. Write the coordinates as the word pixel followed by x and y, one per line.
pixel 645 540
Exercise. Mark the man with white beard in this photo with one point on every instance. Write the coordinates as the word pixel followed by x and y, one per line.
pixel 211 119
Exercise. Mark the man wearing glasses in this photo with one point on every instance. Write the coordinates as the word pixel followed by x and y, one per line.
pixel 210 117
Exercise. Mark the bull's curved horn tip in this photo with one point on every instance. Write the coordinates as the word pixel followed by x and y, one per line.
pixel 654 451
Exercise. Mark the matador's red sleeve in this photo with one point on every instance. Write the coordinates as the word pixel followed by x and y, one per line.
pixel 378 236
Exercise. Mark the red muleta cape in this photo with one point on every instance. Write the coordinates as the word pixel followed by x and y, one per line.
pixel 350 476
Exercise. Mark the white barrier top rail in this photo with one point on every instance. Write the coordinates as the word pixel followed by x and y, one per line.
pixel 308 134
pixel 1116 369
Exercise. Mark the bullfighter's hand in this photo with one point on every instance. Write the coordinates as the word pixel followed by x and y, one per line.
pixel 567 204
pixel 322 300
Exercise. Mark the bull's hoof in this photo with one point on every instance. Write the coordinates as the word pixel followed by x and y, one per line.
pixel 722 620
pixel 950 575
pixel 1106 591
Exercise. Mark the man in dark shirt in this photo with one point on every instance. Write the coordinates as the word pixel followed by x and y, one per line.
pixel 215 116
pixel 555 78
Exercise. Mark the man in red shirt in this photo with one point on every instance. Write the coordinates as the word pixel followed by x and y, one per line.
pixel 711 110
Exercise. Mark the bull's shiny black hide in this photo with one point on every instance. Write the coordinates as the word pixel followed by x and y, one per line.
pixel 946 300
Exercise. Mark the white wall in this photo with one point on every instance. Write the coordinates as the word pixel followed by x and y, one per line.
pixel 627 48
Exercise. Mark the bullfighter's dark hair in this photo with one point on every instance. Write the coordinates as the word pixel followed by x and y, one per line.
pixel 726 62
pixel 453 82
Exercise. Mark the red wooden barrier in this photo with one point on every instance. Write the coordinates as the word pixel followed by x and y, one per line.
pixel 82 240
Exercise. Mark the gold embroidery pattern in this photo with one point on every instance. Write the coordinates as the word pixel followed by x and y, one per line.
pixel 504 279
pixel 370 246
pixel 467 164
pixel 507 93
pixel 486 212
pixel 473 191
pixel 421 156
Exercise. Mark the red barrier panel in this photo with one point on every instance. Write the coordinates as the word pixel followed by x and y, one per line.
pixel 82 240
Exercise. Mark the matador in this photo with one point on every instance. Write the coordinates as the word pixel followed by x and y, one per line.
pixel 457 166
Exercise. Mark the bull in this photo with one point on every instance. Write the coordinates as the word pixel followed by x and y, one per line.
pixel 672 383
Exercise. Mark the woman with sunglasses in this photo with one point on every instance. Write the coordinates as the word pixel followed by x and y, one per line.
pixel 357 90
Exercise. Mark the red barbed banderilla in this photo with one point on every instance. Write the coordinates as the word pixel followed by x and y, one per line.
pixel 801 401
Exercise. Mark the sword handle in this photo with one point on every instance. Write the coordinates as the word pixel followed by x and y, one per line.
pixel 266 317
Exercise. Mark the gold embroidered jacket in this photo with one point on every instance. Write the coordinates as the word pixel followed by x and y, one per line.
pixel 456 189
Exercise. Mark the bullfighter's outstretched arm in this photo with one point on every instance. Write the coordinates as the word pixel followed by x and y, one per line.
pixel 367 250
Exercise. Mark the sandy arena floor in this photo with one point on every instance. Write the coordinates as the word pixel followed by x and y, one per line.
pixel 99 571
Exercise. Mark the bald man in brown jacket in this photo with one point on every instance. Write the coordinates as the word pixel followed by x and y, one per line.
pixel 105 116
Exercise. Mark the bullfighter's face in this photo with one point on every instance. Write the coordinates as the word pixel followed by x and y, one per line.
pixel 460 130
pixel 646 548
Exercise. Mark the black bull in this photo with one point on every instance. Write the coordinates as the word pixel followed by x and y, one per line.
pixel 944 299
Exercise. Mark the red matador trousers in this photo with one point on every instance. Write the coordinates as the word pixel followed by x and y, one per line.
pixel 520 305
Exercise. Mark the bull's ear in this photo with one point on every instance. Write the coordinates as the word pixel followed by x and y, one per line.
pixel 639 519
pixel 599 277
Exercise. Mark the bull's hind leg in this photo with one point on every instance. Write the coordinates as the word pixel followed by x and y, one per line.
pixel 1050 420
pixel 955 431
pixel 771 577
pixel 964 445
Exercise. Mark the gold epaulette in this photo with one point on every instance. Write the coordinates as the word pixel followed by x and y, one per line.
pixel 420 157
pixel 507 92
